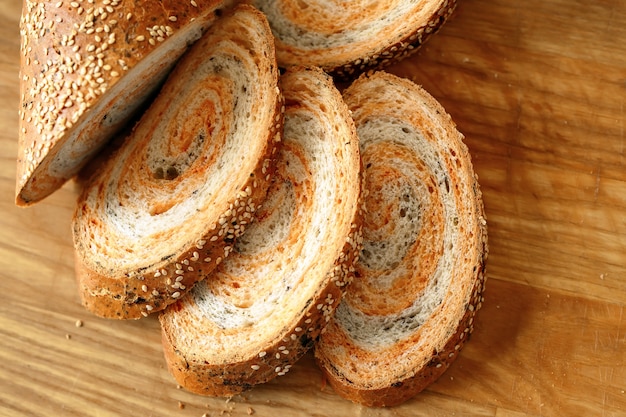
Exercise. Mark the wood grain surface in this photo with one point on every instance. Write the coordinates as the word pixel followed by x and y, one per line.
pixel 538 89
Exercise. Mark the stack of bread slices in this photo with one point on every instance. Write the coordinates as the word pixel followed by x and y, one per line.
pixel 259 210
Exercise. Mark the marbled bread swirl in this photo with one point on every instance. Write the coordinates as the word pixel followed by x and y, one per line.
pixel 347 38
pixel 421 273
pixel 262 307
pixel 85 67
pixel 165 209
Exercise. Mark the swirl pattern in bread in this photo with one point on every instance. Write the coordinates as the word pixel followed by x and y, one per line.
pixel 347 38
pixel 262 307
pixel 421 272
pixel 165 209
pixel 86 66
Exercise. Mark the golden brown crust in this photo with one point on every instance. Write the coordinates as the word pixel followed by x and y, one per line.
pixel 73 54
pixel 226 370
pixel 166 271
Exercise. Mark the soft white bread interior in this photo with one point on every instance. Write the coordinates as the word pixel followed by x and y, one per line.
pixel 421 273
pixel 346 38
pixel 165 209
pixel 85 67
pixel 263 307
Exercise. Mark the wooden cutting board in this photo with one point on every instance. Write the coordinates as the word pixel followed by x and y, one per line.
pixel 538 88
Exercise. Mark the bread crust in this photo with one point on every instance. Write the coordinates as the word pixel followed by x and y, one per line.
pixel 82 77
pixel 350 58
pixel 149 285
pixel 392 375
pixel 228 370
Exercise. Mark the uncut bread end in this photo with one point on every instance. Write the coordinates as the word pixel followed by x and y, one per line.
pixel 85 68
pixel 166 208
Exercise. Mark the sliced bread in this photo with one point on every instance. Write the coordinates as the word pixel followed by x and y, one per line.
pixel 85 67
pixel 422 269
pixel 346 38
pixel 263 307
pixel 166 207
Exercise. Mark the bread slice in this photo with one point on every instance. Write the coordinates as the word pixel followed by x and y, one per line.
pixel 85 67
pixel 165 209
pixel 421 272
pixel 262 308
pixel 347 38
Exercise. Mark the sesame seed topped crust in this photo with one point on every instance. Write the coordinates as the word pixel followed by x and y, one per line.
pixel 263 307
pixel 86 66
pixel 167 207
pixel 422 268
pixel 348 40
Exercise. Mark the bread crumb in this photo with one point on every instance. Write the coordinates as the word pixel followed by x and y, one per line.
pixel 79 323
pixel 181 405
pixel 250 411
pixel 68 336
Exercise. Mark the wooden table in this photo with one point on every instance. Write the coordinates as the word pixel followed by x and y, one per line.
pixel 538 87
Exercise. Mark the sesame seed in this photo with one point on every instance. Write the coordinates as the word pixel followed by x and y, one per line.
pixel 261 354
pixel 172 18
pixel 149 307
pixel 255 367
pixel 144 288
pixel 176 294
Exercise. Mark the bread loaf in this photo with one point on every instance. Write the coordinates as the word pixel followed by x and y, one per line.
pixel 346 38
pixel 165 209
pixel 263 307
pixel 421 273
pixel 85 67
